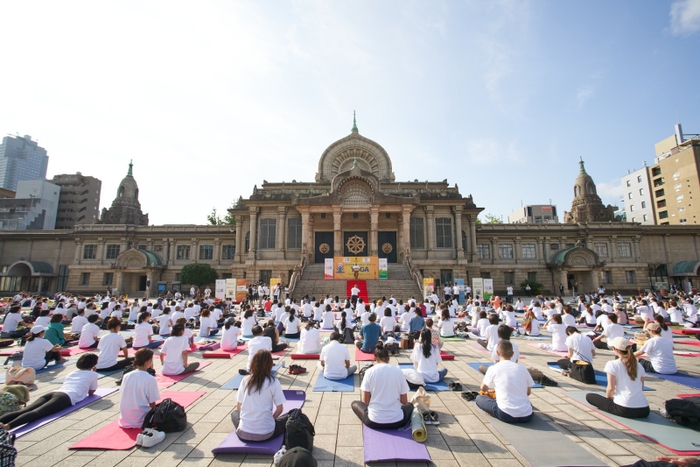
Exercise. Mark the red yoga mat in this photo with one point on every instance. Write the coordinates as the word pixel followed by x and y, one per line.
pixel 446 356
pixel 307 356
pixel 220 353
pixel 167 381
pixel 360 356
pixel 115 438
pixel 362 285
pixel 685 396
pixel 75 351
pixel 687 331
pixel 687 342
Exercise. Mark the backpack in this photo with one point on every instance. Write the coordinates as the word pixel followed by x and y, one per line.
pixel 348 336
pixel 167 416
pixel 685 412
pixel 363 370
pixel 299 431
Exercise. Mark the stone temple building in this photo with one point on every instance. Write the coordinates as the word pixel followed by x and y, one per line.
pixel 355 206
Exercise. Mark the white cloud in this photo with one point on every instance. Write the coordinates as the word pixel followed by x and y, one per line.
pixel 610 192
pixel 685 17
pixel 489 152
pixel 583 93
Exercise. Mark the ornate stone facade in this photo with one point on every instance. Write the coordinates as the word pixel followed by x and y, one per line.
pixel 587 206
pixel 126 208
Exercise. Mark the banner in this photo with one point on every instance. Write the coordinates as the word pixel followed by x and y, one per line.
pixel 488 289
pixel 478 288
pixel 356 267
pixel 460 284
pixel 383 268
pixel 274 281
pixel 428 287
pixel 230 288
pixel 328 268
pixel 220 289
pixel 241 289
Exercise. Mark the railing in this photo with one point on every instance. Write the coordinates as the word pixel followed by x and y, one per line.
pixel 296 275
pixel 415 273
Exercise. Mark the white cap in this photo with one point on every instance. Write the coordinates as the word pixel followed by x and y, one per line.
pixel 38 329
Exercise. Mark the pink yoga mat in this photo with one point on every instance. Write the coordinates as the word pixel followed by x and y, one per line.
pixel 360 356
pixel 685 396
pixel 446 355
pixel 687 331
pixel 167 381
pixel 560 354
pixel 693 343
pixel 115 438
pixel 76 351
pixel 307 356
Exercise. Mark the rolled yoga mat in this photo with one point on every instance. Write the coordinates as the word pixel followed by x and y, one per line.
pixel 418 430
pixel 392 445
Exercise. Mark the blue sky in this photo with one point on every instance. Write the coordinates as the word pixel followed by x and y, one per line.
pixel 210 98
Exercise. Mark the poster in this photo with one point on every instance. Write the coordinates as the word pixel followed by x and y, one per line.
pixel 383 268
pixel 478 288
pixel 460 284
pixel 328 268
pixel 488 289
pixel 428 287
pixel 356 267
pixel 274 281
pixel 231 289
pixel 241 289
pixel 220 289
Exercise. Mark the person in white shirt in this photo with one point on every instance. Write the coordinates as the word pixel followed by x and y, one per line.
pixel 660 352
pixel 445 324
pixel 624 395
pixel 490 335
pixel 388 322
pixel 257 394
pixel 90 334
pixel 580 351
pixel 425 358
pixel 645 313
pixel 177 314
pixel 174 354
pixel 509 316
pixel 13 319
pixel 143 333
pixel 76 387
pixel 512 383
pixel 232 330
pixel 165 323
pixel 78 322
pixel 247 323
pixel 335 359
pixel 384 395
pixel 601 321
pixel 675 313
pixel 612 331
pixel 568 318
pixel 328 318
pixel 207 324
pixel 318 312
pixel 666 332
pixel 291 325
pixel 310 340
pixel 139 391
pixel 537 311
pixel 39 352
pixel 257 343
pixel 691 312
pixel 110 346
pixel 558 330
pixel 135 311
pixel 307 310
pixel 481 324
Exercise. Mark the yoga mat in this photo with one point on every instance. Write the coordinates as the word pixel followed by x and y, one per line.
pixel 446 355
pixel 286 339
pixel 676 438
pixel 360 356
pixel 686 354
pixel 527 438
pixel 418 431
pixel 694 343
pixel 327 385
pixel 453 339
pixel 223 353
pixel 210 347
pixel 560 354
pixel 686 331
pixel 75 351
pixel 99 394
pixel 232 444
pixel 601 378
pixel 167 381
pixel 233 383
pixel 686 396
pixel 114 437
pixel 305 356
pixel 680 378
pixel 476 365
pixel 439 386
pixel 392 445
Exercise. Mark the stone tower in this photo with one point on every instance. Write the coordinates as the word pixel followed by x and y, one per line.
pixel 126 208
pixel 587 206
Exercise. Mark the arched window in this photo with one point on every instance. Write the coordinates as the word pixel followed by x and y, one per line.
pixel 120 193
pixel 136 194
pixel 590 188
pixel 576 191
pixel 356 193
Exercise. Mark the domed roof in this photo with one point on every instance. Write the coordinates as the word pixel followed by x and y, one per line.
pixel 128 188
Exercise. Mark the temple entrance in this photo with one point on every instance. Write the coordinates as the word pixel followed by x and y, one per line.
pixel 355 244
pixel 387 246
pixel 323 246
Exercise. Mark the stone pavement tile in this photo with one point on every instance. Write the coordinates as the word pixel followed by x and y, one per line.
pixel 472 424
pixel 204 448
pixel 215 415
pixel 454 434
pixel 196 461
pixel 349 457
pixel 228 460
pixel 489 446
pixel 469 456
pixel 172 454
pixel 519 457
pixel 224 426
pixel 53 441
pixel 324 447
pixel 350 435
pixel 506 463
pixel 326 425
pixel 438 448
pixel 624 460
pixel 601 443
pixel 443 463
pixel 324 463
pixel 646 450
pixel 22 460
pixel 132 461
pixel 52 457
pixel 194 434
pixel 109 458
pixel 348 417
pixel 598 454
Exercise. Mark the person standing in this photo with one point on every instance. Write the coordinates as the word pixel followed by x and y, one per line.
pixel 355 293
pixel 509 294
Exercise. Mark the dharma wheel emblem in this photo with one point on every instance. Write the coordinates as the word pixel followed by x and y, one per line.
pixel 355 244
pixel 324 248
pixel 387 248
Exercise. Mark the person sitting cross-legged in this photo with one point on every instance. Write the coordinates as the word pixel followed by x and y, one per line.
pixel 335 359
pixel 369 335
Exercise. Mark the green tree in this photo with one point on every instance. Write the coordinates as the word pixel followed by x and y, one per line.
pixel 213 218
pixel 198 274
pixel 489 219
pixel 229 219
pixel 535 287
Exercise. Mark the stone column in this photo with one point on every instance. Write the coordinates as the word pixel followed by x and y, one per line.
pixel 217 251
pixel 57 257
pixel 635 249
pixel 517 246
pixel 253 233
pixel 458 225
pixel 374 225
pixel 119 281
pixel 697 250
pixel 173 250
pixel 281 227
pixel 494 250
pixel 406 229
pixel 239 239
pixel 337 231
pixel 30 249
pixel 101 249
pixel 613 248
pixel 430 228
pixel 305 245
pixel 472 237
pixel 78 250
pixel 666 249
pixel 310 241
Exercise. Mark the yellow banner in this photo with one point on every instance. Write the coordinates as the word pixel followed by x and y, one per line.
pixel 274 281
pixel 428 286
pixel 356 267
pixel 241 289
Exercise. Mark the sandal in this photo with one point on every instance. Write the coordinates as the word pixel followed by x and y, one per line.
pixel 469 395
pixel 455 386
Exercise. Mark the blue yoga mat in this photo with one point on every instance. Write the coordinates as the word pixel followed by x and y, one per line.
pixel 601 378
pixel 328 385
pixel 439 386
pixel 476 366
pixel 680 378
pixel 236 381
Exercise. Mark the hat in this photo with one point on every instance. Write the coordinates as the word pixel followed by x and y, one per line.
pixel 38 329
pixel 19 391
pixel 654 327
pixel 619 343
pixel 297 457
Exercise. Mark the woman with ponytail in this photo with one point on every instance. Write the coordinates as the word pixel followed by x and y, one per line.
pixel 426 357
pixel 624 395
pixel 143 333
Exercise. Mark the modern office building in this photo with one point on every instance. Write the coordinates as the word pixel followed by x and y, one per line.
pixel 534 214
pixel 638 204
pixel 21 159
pixel 80 200
pixel 33 208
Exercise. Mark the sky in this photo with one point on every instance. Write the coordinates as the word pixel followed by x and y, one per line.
pixel 210 98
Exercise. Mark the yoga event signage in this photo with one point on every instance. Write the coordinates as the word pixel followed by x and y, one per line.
pixel 328 268
pixel 383 268
pixel 356 267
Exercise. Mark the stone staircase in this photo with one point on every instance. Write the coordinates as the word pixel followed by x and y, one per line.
pixel 399 284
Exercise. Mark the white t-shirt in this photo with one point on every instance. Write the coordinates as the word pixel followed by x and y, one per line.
pixel 35 353
pixel 510 319
pixel 676 315
pixel 568 319
pixel 660 352
pixel 229 340
pixel 307 310
pixel 291 327
pixel 511 382
pixel 142 332
pixel 88 335
pixel 134 314
pixel 310 341
pixel 175 315
pixel 258 343
pixel 491 336
pixel 77 385
pixel 481 326
pixel 558 336
pixel 628 393
pixel 334 356
pixel 78 323
pixel 537 311
pixel 612 331
pixel 550 312
pixel 386 384
pixel 138 390
pixel 582 347
pixel 11 321
pixel 165 324
pixel 257 406
pixel 427 366
pixel 514 358
pixel 247 325
pixel 328 317
pixel 109 347
pixel 206 325
pixel 446 328
pixel 42 321
pixel 387 323
pixel 535 327
pixel 173 364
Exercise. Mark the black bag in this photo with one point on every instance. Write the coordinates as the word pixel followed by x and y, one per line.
pixel 127 369
pixel 167 416
pixel 348 336
pixel 299 431
pixel 363 370
pixel 582 371
pixel 8 451
pixel 685 412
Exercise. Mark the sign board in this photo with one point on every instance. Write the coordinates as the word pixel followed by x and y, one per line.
pixel 460 284
pixel 230 289
pixel 328 268
pixel 478 288
pixel 488 289
pixel 356 267
pixel 428 287
pixel 241 289
pixel 220 289
pixel 383 268
pixel 273 282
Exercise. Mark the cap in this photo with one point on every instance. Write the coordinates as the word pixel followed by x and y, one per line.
pixel 38 329
pixel 619 343
pixel 297 456
pixel 654 327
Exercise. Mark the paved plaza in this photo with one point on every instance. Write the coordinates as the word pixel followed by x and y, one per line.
pixel 465 436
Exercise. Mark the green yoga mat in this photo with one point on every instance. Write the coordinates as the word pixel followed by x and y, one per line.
pixel 676 438
pixel 453 339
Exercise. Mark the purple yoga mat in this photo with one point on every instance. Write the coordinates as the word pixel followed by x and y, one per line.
pixel 392 445
pixel 233 445
pixel 99 394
